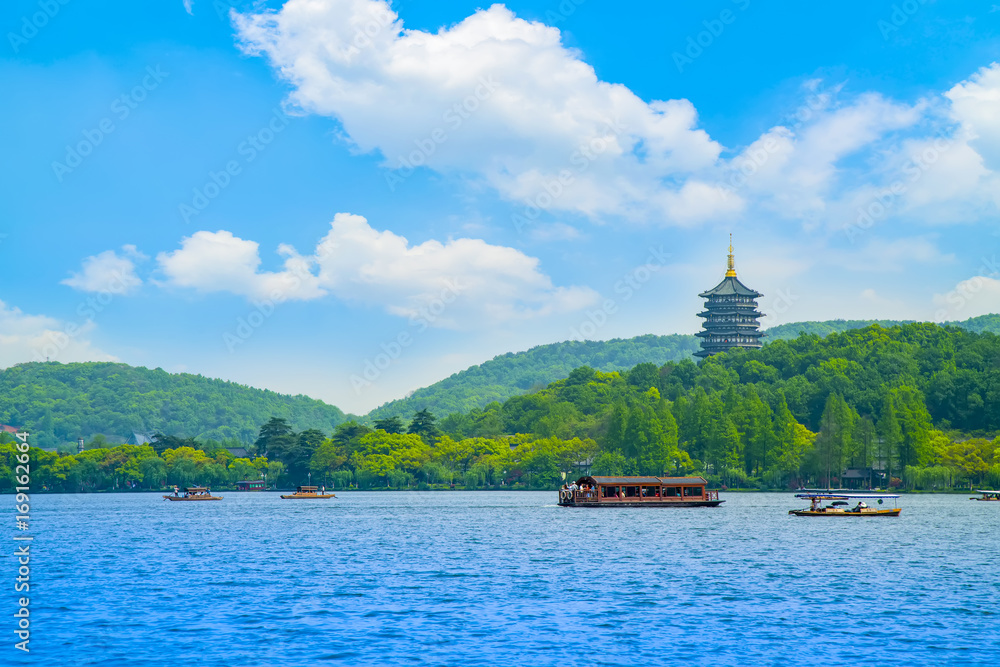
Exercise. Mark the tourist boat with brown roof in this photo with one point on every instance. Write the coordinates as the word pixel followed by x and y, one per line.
pixel 602 491
pixel 193 493
pixel 308 492
pixel 841 507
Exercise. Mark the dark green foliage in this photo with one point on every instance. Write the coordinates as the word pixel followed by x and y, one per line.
pixel 274 432
pixel 60 402
pixel 981 324
pixel 423 424
pixel 519 373
pixel 794 411
pixel 390 425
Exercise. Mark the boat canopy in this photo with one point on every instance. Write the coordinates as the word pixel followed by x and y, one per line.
pixel 307 488
pixel 829 495
pixel 990 493
pixel 192 489
pixel 638 481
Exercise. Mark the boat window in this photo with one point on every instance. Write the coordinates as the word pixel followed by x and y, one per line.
pixel 609 491
pixel 692 490
pixel 631 491
pixel 672 491
pixel 650 491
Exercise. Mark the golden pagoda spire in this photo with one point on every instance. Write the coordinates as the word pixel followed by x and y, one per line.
pixel 731 271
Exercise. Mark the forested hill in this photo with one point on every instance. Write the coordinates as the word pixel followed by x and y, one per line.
pixel 515 373
pixel 61 402
pixel 981 324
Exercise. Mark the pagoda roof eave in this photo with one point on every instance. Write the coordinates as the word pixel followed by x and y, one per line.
pixel 730 286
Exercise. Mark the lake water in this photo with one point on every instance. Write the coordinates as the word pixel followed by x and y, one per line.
pixel 505 578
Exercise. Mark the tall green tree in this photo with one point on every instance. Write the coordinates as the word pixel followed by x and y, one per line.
pixel 423 424
pixel 276 427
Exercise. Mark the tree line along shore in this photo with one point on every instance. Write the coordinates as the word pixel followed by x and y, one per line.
pixel 911 407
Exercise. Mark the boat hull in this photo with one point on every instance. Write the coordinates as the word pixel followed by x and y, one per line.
pixel 886 512
pixel 310 496
pixel 646 503
pixel 177 498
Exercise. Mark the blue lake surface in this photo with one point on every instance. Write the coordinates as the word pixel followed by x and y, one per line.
pixel 505 578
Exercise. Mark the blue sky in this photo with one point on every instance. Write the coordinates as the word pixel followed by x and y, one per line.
pixel 352 200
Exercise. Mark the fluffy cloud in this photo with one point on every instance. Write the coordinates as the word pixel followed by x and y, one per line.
pixel 502 99
pixel 462 283
pixel 975 104
pixel 979 295
pixel 494 96
pixel 221 262
pixel 26 337
pixel 108 272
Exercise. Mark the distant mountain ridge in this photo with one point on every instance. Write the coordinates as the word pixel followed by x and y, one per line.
pixel 61 402
pixel 517 372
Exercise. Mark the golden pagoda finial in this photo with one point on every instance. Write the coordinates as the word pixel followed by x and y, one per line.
pixel 731 272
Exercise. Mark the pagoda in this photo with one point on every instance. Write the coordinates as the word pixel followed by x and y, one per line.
pixel 730 314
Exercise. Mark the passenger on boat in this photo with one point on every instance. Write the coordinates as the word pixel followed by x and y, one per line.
pixel 814 506
pixel 175 490
pixel 860 506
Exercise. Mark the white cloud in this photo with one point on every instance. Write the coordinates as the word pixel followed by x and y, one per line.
pixel 221 262
pixel 108 272
pixel 797 172
pixel 189 6
pixel 502 100
pixel 494 96
pixel 461 283
pixel 494 284
pixel 979 295
pixel 26 337
pixel 975 103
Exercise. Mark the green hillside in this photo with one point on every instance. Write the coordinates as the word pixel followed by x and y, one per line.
pixel 913 406
pixel 516 373
pixel 823 329
pixel 61 402
pixel 981 324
